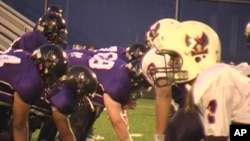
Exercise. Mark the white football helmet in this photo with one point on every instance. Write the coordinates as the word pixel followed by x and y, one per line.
pixel 198 45
pixel 158 65
pixel 159 31
pixel 190 48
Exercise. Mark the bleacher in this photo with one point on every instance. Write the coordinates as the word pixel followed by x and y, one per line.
pixel 13 25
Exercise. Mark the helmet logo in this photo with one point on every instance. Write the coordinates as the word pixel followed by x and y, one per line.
pixel 153 33
pixel 51 58
pixel 197 46
pixel 80 80
pixel 151 70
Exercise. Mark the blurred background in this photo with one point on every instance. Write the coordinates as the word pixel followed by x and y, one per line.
pixel 103 23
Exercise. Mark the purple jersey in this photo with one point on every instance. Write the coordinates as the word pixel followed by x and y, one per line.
pixel 29 41
pixel 111 73
pixel 19 73
pixel 64 101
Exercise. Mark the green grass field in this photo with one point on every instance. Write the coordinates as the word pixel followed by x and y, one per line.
pixel 141 119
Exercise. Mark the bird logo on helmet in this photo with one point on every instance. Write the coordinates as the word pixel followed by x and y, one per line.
pixel 159 31
pixel 191 47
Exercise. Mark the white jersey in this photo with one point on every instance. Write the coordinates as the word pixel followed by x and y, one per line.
pixel 243 67
pixel 223 95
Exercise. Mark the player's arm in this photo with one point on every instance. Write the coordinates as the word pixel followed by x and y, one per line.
pixel 63 126
pixel 20 119
pixel 163 98
pixel 118 122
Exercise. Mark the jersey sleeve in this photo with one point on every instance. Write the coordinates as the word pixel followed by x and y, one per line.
pixel 116 82
pixel 217 110
pixel 29 41
pixel 215 96
pixel 30 86
pixel 63 101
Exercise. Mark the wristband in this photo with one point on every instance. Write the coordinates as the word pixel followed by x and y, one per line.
pixel 159 137
pixel 129 139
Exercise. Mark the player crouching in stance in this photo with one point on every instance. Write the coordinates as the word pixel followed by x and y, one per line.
pixel 61 98
pixel 77 89
pixel 23 77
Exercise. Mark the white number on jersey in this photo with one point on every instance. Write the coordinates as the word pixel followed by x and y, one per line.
pixel 99 60
pixel 76 54
pixel 110 49
pixel 4 58
pixel 103 60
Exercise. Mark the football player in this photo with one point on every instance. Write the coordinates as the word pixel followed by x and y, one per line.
pixel 116 88
pixel 51 29
pixel 23 77
pixel 155 38
pixel 111 54
pixel 216 89
pixel 79 87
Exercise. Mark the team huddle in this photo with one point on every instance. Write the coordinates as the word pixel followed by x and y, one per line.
pixel 62 92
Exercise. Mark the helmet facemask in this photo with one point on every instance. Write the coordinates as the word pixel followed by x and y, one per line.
pixel 171 72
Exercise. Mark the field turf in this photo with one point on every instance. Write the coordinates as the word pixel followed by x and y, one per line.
pixel 141 119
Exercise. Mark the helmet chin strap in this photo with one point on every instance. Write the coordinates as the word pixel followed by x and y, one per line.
pixel 90 104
